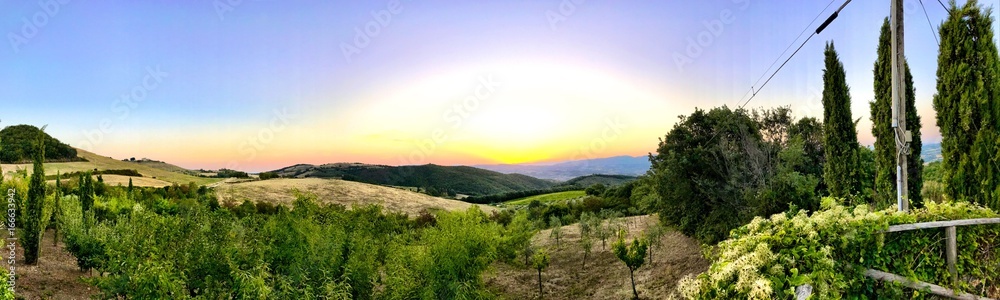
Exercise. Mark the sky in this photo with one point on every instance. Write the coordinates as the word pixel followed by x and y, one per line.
pixel 259 85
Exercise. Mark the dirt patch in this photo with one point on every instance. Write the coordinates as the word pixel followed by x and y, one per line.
pixel 604 276
pixel 56 275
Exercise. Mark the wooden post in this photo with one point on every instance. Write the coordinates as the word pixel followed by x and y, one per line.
pixel 952 252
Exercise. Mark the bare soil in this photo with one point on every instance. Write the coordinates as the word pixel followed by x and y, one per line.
pixel 604 276
pixel 56 275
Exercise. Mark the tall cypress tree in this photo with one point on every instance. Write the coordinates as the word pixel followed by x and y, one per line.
pixel 33 208
pixel 86 195
pixel 968 112
pixel 841 137
pixel 885 137
pixel 57 211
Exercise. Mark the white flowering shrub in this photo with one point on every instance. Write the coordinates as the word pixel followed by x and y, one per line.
pixel 829 249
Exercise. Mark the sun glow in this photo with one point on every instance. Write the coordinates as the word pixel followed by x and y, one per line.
pixel 505 113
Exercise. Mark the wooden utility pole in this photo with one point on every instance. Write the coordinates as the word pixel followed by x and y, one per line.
pixel 903 137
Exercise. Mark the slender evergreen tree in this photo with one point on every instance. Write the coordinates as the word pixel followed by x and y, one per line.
pixel 885 137
pixel 57 211
pixel 86 195
pixel 968 112
pixel 841 142
pixel 33 224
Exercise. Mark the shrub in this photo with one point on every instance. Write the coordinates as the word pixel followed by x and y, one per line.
pixel 768 258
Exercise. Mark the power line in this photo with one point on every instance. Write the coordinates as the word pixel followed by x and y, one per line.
pixel 942 5
pixel 789 47
pixel 929 22
pixel 817 31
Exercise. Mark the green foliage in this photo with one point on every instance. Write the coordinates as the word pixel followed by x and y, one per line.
pixel 885 138
pixel 6 291
pixel 227 173
pixel 309 251
pixel 33 224
pixel 654 236
pixel 268 175
pixel 587 244
pixel 540 261
pixel 768 258
pixel 866 176
pixel 86 192
pixel 968 105
pixel 556 232
pixel 19 145
pixel 545 197
pixel 521 197
pixel 633 255
pixel 715 170
pixel 841 143
pixel 596 189
pixel 605 179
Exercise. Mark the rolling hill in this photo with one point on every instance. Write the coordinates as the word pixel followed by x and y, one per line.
pixel 458 179
pixel 607 180
pixel 618 165
pixel 19 145
pixel 153 175
pixel 283 190
pixel 930 152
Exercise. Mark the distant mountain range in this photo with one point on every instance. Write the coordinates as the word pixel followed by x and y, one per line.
pixel 931 152
pixel 563 171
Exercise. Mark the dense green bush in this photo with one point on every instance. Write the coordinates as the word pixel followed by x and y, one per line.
pixel 768 258
pixel 308 251
pixel 715 170
pixel 19 145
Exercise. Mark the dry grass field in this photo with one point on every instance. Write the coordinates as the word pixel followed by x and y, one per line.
pixel 348 193
pixel 162 172
pixel 604 277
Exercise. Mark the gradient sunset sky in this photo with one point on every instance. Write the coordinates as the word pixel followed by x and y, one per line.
pixel 259 85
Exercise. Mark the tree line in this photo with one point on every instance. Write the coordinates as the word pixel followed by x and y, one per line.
pixel 717 169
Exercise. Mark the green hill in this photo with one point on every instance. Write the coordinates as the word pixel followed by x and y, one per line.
pixel 607 180
pixel 457 179
pixel 17 144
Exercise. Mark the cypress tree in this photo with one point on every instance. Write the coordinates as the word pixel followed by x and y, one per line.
pixel 36 201
pixel 968 88
pixel 57 211
pixel 841 137
pixel 885 137
pixel 86 194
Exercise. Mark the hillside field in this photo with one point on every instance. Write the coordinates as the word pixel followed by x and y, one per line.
pixel 545 198
pixel 283 190
pixel 153 174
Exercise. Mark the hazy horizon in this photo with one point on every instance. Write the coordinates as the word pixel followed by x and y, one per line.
pixel 261 85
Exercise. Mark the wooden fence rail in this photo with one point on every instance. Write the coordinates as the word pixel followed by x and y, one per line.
pixel 951 256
